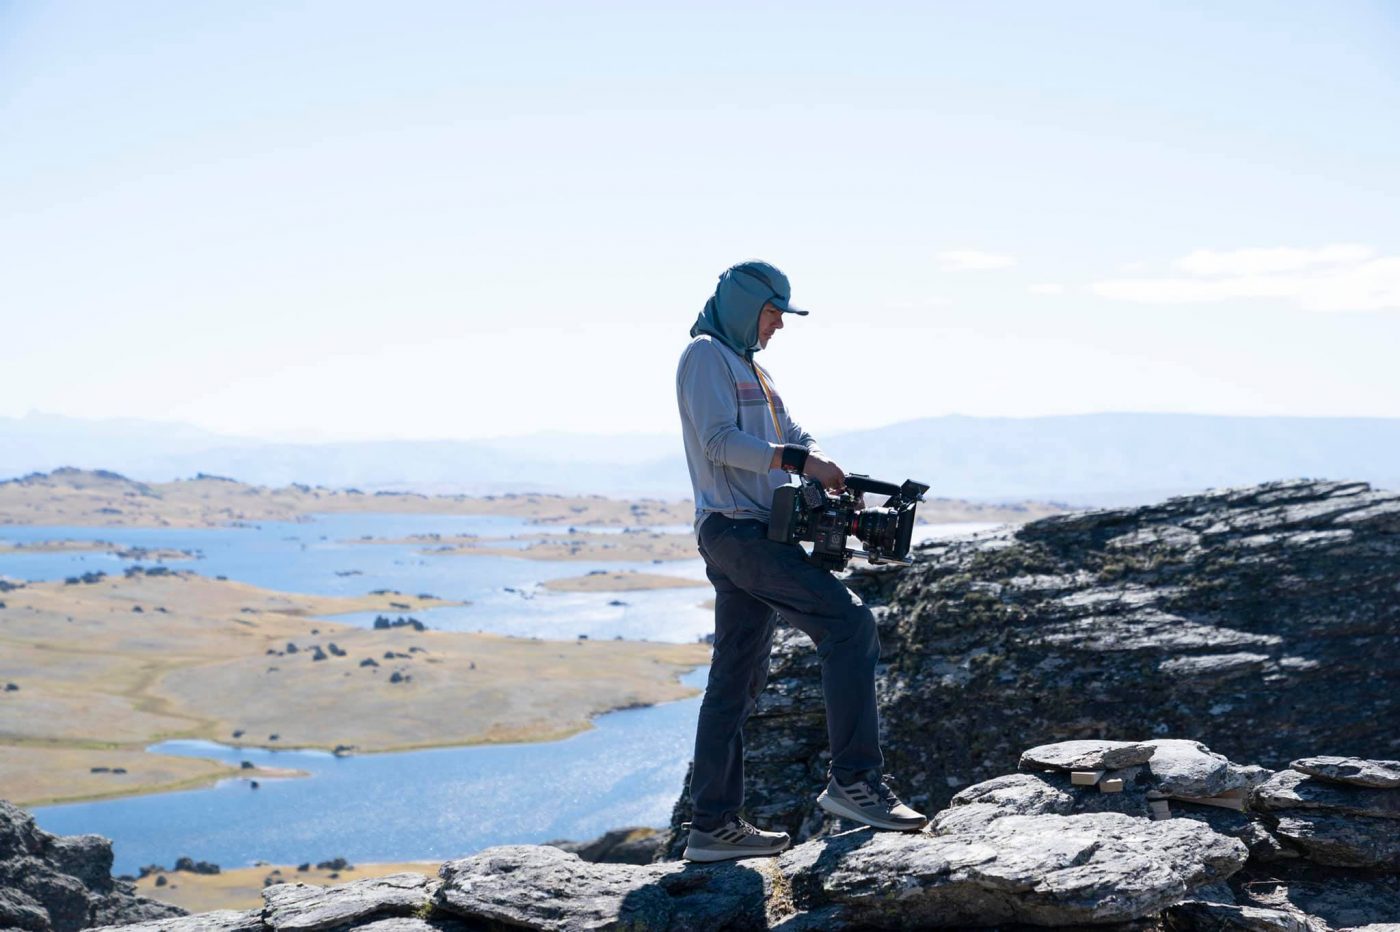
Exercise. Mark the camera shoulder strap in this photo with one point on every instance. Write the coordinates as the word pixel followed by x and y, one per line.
pixel 768 397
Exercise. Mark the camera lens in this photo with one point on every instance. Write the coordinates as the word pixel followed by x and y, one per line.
pixel 875 527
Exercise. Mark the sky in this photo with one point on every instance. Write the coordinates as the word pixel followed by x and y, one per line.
pixel 350 220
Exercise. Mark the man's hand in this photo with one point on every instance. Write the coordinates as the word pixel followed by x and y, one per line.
pixel 822 469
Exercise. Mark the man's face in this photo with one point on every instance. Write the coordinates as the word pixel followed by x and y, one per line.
pixel 770 320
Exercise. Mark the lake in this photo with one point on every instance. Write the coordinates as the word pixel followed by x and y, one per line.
pixel 441 803
pixel 322 557
pixel 414 805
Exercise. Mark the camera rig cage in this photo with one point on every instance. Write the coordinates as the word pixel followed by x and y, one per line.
pixel 806 511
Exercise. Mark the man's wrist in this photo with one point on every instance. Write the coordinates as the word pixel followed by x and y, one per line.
pixel 794 458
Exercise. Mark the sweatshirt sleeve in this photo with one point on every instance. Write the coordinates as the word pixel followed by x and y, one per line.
pixel 708 400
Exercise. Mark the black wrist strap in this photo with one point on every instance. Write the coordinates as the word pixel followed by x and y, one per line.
pixel 794 457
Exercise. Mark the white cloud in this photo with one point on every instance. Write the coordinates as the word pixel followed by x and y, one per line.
pixel 1047 288
pixel 1269 261
pixel 1344 277
pixel 971 260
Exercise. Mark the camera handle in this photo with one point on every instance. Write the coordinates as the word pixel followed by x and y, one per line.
pixel 859 482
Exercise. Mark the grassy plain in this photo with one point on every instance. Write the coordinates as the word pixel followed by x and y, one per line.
pixel 241 888
pixel 154 554
pixel 632 546
pixel 102 669
pixel 621 582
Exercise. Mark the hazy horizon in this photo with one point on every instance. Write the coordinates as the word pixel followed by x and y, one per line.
pixel 302 437
pixel 1104 459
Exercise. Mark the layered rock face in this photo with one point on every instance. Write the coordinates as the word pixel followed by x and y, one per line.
pixel 1335 820
pixel 1263 621
pixel 62 883
pixel 1324 839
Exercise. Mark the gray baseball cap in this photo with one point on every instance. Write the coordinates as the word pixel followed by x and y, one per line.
pixel 773 279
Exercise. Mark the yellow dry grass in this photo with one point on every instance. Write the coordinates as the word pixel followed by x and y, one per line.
pixel 56 546
pixel 241 888
pixel 155 554
pixel 621 582
pixel 957 511
pixel 211 659
pixel 630 547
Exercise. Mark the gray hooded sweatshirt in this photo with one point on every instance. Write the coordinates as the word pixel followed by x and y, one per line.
pixel 727 419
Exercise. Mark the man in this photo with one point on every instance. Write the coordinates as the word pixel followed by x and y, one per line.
pixel 741 444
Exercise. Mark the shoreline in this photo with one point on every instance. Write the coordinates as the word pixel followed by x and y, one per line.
pixel 228 772
pixel 205 659
pixel 629 546
pixel 190 783
pixel 241 888
pixel 630 581
pixel 120 551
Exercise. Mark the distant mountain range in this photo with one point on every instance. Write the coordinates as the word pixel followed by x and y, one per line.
pixel 1079 459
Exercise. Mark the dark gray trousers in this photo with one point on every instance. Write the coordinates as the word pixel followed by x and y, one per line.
pixel 755 578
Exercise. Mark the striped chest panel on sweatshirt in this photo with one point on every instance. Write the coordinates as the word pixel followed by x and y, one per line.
pixel 751 393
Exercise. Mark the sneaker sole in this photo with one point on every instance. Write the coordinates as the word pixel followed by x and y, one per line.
pixel 724 854
pixel 846 811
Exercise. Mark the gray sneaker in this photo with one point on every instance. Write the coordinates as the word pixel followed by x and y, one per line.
pixel 870 801
pixel 736 839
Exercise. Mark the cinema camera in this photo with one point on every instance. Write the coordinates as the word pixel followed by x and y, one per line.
pixel 806 511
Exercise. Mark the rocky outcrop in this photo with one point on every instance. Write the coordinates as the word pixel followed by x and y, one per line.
pixel 1027 849
pixel 300 907
pixel 1291 880
pixel 1332 820
pixel 1260 621
pixel 637 845
pixel 1009 854
pixel 1380 774
pixel 62 883
pixel 1043 869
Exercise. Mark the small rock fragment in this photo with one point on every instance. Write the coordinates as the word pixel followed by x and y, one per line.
pixel 1086 755
pixel 1380 774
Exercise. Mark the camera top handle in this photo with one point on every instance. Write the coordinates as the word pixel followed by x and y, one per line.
pixel 910 491
pixel 857 482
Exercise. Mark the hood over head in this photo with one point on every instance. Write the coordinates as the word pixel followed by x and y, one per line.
pixel 731 315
